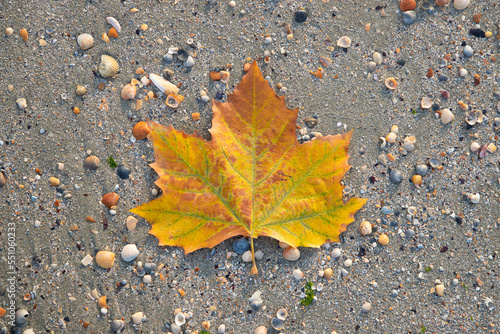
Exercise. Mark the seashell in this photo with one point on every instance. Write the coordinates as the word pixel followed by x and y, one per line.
pixel 461 4
pixel 277 323
pixel 440 289
pixel 474 146
pixel 283 245
pixel 463 105
pixel 105 259
pixel 383 142
pixel 110 199
pixel 260 330
pixel 102 302
pixel 410 139
pixel 117 325
pixel 407 5
pixel 128 92
pixel 182 55
pixel 165 86
pixel 21 316
pixel 144 27
pixel 215 75
pixel 318 74
pixel 416 179
pixel 21 103
pixel 114 23
pixel 383 239
pixel 446 116
pixel 140 130
pixel 91 162
pixel 267 59
pixel 224 77
pixel 174 100
pixel 129 252
pixel 474 198
pixel 425 103
pixel 442 3
pixel 9 31
pixel 24 34
pixel 395 128
pixel 105 37
pixel 391 83
pixel 391 137
pixel 491 148
pixel 81 90
pixel 85 41
pixel 189 62
pixel 365 227
pixel 291 254
pixel 205 325
pixel 325 61
pixel 246 68
pixel 282 314
pixel 344 42
pixel 108 67
pixel 474 116
pixel 168 74
pixel 113 33
pixel 137 318
pixel 311 122
pixel 180 319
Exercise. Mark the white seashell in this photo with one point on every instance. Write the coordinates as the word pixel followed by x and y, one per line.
pixel 426 103
pixel 85 41
pixel 298 274
pixel 21 103
pixel 394 129
pixel 137 318
pixel 129 252
pixel 391 137
pixel 282 314
pixel 117 325
pixel 446 116
pixel 383 142
pixel 165 86
pixel 461 4
pixel 114 22
pixel 180 319
pixel 128 92
pixel 463 72
pixel 291 254
pixel 108 66
pixel 365 228
pixel 260 330
pixel 474 146
pixel 440 287
pixel 474 198
pixel 344 42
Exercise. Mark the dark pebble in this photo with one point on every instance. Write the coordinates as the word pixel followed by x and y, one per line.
pixel 409 234
pixel 435 107
pixel 182 55
pixel 241 245
pixel 123 172
pixel 61 188
pixel 445 94
pixel 16 330
pixel 401 62
pixel 442 78
pixel 477 32
pixel 301 15
pixel 421 170
pixel 149 267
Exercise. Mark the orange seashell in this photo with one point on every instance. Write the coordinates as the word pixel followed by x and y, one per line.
pixel 391 83
pixel 267 60
pixel 318 74
pixel 174 100
pixel 110 199
pixel 76 110
pixel 24 34
pixel 406 5
pixel 140 130
pixel 195 116
pixel 2 312
pixel 215 76
pixel 113 33
pixel 224 76
pixel 102 302
pixel 442 3
pixel 105 37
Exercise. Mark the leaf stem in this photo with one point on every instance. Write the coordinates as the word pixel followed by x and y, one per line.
pixel 254 270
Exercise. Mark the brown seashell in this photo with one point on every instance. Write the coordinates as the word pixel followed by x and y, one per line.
pixel 267 60
pixel 406 5
pixel 318 74
pixel 391 83
pixel 3 181
pixel 442 3
pixel 102 302
pixel 24 34
pixel 128 92
pixel 110 199
pixel 215 76
pixel 224 77
pixel 105 259
pixel 140 130
pixel 113 33
pixel 174 100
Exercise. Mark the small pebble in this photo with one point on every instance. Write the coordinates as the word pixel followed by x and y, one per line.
pixel 189 62
pixel 131 223
pixel 91 162
pixel 147 279
pixel 298 274
pixel 9 31
pixel 468 51
pixel 421 169
pixel 247 256
pixel 348 263
pixel 383 239
pixel 259 255
pixel 377 58
pixel 260 330
pixel 241 245
pixel 395 176
pixel 301 15
pixel 366 307
pixel 336 253
pixel 222 328
pixel 409 17
pixel 87 260
pixel 232 4
pixel 440 289
pixel 21 103
pixel 372 66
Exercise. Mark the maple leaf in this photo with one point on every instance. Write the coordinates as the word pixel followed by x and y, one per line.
pixel 253 178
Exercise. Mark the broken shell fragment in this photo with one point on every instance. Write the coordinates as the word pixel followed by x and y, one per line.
pixel 318 74
pixel 108 67
pixel 21 103
pixel 113 33
pixel 344 42
pixel 128 92
pixel 325 61
pixel 174 100
pixel 105 259
pixel 474 198
pixel 491 148
pixel 391 137
pixel 365 227
pixel 140 130
pixel 383 142
pixel 117 325
pixel 81 90
pixel 85 41
pixel 114 23
pixel 425 103
pixel 224 77
pixel 391 83
pixel 311 122
pixel 102 302
pixel 215 75
pixel 165 86
pixel 474 116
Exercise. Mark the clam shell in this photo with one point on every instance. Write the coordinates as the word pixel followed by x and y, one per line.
pixel 114 23
pixel 108 67
pixel 425 103
pixel 291 254
pixel 129 252
pixel 137 318
pixel 24 34
pixel 344 42
pixel 117 325
pixel 105 259
pixel 85 41
pixel 474 146
pixel 224 77
pixel 165 86
pixel 282 314
pixel 461 4
pixel 446 116
pixel 391 83
pixel 128 92
pixel 110 199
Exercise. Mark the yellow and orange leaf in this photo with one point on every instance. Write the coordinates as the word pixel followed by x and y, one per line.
pixel 252 179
